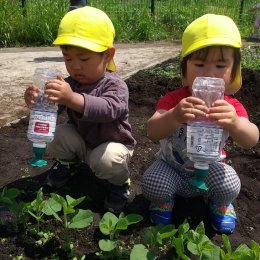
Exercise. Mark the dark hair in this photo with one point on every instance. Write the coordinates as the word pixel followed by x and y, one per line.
pixel 203 53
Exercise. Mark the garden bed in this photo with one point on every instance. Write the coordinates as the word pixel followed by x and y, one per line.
pixel 145 89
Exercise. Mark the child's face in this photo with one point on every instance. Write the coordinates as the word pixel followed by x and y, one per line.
pixel 86 66
pixel 218 63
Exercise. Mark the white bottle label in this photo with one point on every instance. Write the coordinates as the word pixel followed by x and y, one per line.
pixel 204 140
pixel 42 123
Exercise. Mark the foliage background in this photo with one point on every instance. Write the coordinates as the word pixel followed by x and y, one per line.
pixel 36 23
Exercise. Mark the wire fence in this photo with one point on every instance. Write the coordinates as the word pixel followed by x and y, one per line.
pixel 236 9
pixel 35 22
pixel 177 14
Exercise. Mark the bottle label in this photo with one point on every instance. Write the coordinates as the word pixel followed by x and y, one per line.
pixel 41 127
pixel 42 123
pixel 204 140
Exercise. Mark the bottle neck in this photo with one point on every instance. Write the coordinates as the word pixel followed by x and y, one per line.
pixel 201 165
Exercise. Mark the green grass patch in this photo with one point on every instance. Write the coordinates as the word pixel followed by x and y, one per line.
pixel 37 23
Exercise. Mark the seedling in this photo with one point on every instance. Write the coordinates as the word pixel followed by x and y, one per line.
pixel 79 218
pixel 157 236
pixel 8 200
pixel 111 225
pixel 38 207
pixel 242 252
pixel 200 245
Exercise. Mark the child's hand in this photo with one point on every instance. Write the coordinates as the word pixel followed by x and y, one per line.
pixel 59 91
pixel 223 113
pixel 242 131
pixel 188 108
pixel 30 95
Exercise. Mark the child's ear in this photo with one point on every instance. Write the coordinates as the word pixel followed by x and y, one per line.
pixel 110 54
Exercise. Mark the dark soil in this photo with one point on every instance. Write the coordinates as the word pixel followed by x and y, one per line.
pixel 145 90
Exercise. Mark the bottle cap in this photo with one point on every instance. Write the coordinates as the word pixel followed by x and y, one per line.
pixel 199 179
pixel 39 150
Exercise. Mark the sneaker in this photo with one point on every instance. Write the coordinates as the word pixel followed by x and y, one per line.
pixel 223 218
pixel 161 214
pixel 59 174
pixel 117 197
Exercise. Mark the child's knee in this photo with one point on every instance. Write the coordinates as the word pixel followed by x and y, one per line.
pixel 110 164
pixel 116 173
pixel 155 191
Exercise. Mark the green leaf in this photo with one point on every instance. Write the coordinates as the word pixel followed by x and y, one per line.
pixel 149 238
pixel 255 246
pixel 165 232
pixel 74 202
pixel 223 254
pixel 193 248
pixel 200 228
pixel 183 228
pixel 179 247
pixel 226 244
pixel 242 250
pixel 82 219
pixel 194 237
pixel 133 218
pixel 58 198
pixel 6 201
pixel 12 193
pixel 69 210
pixel 210 254
pixel 106 245
pixel 122 224
pixel 140 252
pixel 51 206
pixel 108 223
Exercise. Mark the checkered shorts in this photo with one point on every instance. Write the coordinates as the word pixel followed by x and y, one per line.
pixel 161 182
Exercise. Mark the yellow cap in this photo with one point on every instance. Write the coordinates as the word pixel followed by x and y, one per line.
pixel 89 28
pixel 213 30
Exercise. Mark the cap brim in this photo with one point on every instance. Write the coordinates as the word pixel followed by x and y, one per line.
pixel 68 40
pixel 211 42
pixel 83 43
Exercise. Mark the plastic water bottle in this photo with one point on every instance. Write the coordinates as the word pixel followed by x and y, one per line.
pixel 43 117
pixel 203 135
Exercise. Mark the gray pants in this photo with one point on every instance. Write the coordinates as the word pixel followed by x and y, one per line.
pixel 161 182
pixel 109 161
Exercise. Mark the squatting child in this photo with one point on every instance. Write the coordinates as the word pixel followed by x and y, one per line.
pixel 96 98
pixel 210 48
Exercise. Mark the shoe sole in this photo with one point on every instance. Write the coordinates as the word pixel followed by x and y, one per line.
pixel 222 231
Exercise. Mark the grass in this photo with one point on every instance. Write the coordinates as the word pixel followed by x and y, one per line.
pixel 251 57
pixel 37 23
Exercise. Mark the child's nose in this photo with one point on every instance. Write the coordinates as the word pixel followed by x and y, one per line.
pixel 210 71
pixel 76 65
